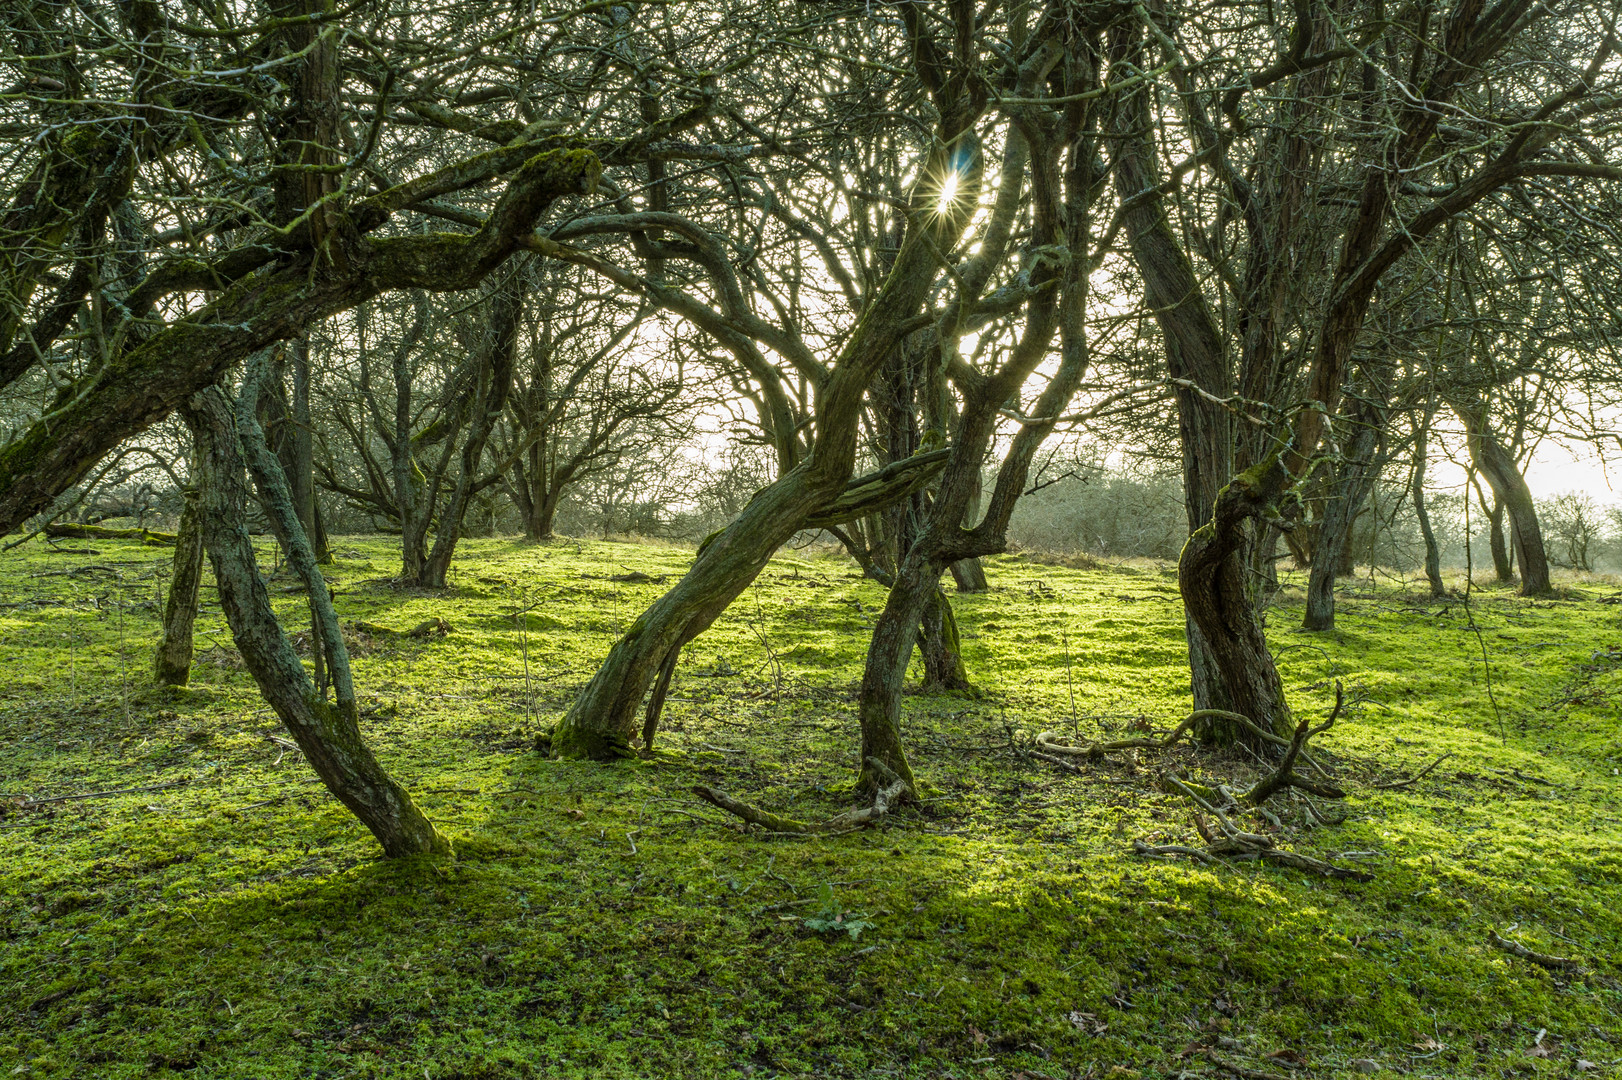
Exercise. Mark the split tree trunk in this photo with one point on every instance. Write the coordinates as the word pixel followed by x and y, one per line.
pixel 328 734
pixel 172 662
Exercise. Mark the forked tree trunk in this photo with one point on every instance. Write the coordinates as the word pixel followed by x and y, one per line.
pixel 328 735
pixel 603 719
pixel 172 662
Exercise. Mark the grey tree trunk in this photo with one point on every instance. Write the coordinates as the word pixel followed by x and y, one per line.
pixel 172 662
pixel 328 734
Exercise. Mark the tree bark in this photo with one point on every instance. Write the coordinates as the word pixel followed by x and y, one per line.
pixel 172 662
pixel 327 734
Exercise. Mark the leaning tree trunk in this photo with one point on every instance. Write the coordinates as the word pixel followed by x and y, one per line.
pixel 1497 464
pixel 172 662
pixel 603 719
pixel 328 734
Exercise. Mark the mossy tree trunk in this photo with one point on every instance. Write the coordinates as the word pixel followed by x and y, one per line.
pixel 327 732
pixel 172 661
pixel 1217 599
pixel 942 649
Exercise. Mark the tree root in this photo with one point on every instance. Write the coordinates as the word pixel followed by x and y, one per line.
pixel 1542 960
pixel 893 788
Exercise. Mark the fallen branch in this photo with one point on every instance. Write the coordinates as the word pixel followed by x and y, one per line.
pixel 430 628
pixel 894 788
pixel 1415 779
pixel 96 532
pixel 1542 960
pixel 1241 1070
pixel 1228 841
pixel 27 804
pixel 1284 776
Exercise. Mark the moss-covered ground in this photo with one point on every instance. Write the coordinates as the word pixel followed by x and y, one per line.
pixel 230 919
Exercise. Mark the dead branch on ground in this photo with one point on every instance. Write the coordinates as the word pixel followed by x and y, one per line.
pixel 1542 960
pixel 894 787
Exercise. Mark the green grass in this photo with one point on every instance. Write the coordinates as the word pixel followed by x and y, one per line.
pixel 603 922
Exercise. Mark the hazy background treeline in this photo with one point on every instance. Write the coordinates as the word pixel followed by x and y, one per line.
pixel 1079 505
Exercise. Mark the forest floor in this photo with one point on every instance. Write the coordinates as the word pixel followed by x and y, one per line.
pixel 228 918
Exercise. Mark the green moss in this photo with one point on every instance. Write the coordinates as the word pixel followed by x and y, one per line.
pixel 602 922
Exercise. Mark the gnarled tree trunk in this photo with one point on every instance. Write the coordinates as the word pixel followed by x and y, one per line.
pixel 603 718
